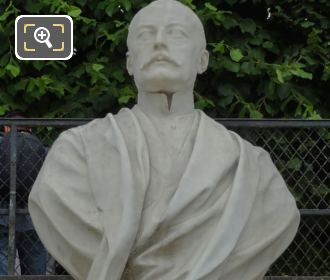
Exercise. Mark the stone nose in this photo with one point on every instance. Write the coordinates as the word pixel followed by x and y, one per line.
pixel 160 40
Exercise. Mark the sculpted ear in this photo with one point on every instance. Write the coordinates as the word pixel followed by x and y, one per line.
pixel 129 65
pixel 204 62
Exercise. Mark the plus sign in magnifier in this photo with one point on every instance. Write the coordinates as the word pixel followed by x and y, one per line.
pixel 41 35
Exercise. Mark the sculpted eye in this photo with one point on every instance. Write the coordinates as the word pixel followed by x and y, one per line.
pixel 145 34
pixel 176 32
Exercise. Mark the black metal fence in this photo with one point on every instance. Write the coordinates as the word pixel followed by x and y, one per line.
pixel 300 150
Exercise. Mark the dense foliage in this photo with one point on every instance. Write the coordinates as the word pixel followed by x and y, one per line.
pixel 268 59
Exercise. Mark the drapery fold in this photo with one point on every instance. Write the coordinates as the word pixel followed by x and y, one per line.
pixel 230 215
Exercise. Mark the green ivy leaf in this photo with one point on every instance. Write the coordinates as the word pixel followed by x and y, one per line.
pixel 294 164
pixel 125 95
pixel 38 64
pixel 6 14
pixel 34 7
pixel 97 67
pixel 268 45
pixel 236 55
pixel 82 2
pixel 230 65
pixel 219 47
pixel 283 91
pixel 31 85
pixel 307 24
pixel 21 85
pixel 256 40
pixel 3 109
pixel 254 114
pixel 203 103
pixel 302 74
pixel 243 112
pixel 127 5
pixel 118 75
pixel 326 73
pixel 111 9
pixel 124 99
pixel 279 76
pixel 227 94
pixel 323 190
pixel 248 26
pixel 249 68
pixel 74 11
pixel 13 69
pixel 210 7
pixel 269 109
pixel 2 72
pixel 189 4
pixel 4 59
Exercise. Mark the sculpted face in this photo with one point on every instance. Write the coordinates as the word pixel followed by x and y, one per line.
pixel 166 48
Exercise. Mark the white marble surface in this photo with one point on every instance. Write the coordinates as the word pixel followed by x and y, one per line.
pixel 162 191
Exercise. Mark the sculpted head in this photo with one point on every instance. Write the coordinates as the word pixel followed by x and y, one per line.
pixel 166 48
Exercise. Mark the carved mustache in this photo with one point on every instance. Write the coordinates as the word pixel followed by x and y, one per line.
pixel 160 57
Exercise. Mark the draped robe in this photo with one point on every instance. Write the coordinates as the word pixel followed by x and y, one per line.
pixel 123 198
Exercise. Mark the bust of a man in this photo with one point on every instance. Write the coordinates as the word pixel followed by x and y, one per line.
pixel 161 191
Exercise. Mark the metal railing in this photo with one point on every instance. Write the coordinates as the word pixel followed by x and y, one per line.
pixel 301 152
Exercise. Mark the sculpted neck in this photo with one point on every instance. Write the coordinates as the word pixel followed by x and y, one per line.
pixel 162 104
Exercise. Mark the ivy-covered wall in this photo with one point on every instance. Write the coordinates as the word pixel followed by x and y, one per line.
pixel 267 59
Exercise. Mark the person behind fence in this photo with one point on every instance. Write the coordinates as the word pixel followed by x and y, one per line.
pixel 30 154
pixel 162 191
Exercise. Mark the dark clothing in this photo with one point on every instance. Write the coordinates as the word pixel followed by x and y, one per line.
pixel 32 254
pixel 30 154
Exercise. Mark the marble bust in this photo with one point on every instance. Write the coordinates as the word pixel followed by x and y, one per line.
pixel 161 191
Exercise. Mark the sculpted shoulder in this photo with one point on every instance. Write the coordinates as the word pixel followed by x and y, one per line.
pixel 94 132
pixel 232 145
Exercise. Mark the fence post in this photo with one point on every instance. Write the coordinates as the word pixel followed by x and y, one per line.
pixel 12 202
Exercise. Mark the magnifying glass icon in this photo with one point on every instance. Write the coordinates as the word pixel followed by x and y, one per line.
pixel 41 35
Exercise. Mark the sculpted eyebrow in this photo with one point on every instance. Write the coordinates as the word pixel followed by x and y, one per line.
pixel 176 23
pixel 183 29
pixel 143 27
